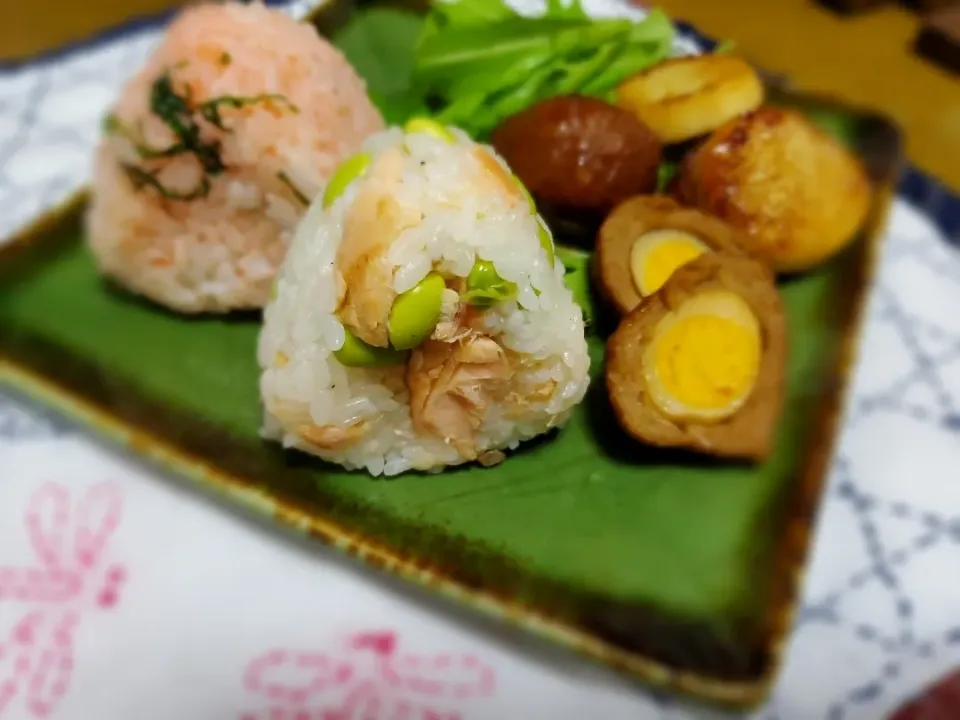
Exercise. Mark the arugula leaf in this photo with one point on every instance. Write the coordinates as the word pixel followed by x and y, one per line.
pixel 478 61
pixel 651 38
pixel 475 12
pixel 574 11
pixel 446 56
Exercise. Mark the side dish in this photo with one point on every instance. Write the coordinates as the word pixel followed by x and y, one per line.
pixel 645 239
pixel 578 154
pixel 687 97
pixel 700 365
pixel 798 196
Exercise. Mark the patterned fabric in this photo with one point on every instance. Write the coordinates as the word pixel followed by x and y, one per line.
pixel 879 618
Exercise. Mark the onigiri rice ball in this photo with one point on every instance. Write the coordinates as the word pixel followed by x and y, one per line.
pixel 213 152
pixel 421 319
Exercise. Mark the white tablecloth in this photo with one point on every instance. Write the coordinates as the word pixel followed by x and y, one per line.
pixel 124 595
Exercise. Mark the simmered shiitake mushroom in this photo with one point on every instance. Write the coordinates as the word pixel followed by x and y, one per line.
pixel 798 196
pixel 579 153
pixel 646 238
pixel 700 364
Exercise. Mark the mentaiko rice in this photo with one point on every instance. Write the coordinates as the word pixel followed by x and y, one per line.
pixel 491 373
pixel 213 151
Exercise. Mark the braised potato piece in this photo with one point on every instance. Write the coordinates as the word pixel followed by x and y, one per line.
pixel 685 97
pixel 646 238
pixel 577 153
pixel 797 194
pixel 700 364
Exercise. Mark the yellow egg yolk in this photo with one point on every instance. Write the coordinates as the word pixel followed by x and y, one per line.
pixel 657 254
pixel 703 361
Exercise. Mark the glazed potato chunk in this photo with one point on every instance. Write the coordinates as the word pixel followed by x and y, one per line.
pixel 796 193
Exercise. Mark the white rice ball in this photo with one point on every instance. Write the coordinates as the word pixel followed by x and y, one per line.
pixel 487 379
pixel 268 109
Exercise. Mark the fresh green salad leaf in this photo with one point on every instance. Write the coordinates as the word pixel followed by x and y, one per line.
pixel 574 11
pixel 478 61
pixel 474 12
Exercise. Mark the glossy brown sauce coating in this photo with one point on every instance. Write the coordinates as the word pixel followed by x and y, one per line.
pixel 578 153
pixel 796 193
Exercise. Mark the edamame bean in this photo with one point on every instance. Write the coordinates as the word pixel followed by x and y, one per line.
pixel 351 168
pixel 430 127
pixel 526 195
pixel 356 353
pixel 546 241
pixel 416 312
pixel 485 287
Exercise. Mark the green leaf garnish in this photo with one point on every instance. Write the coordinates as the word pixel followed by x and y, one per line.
pixel 477 61
pixel 141 178
pixel 210 109
pixel 297 193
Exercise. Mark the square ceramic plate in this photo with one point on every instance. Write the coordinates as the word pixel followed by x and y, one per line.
pixel 672 569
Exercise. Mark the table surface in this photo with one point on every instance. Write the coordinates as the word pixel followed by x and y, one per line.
pixel 866 59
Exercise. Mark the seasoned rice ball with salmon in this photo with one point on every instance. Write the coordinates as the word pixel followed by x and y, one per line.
pixel 213 152
pixel 420 318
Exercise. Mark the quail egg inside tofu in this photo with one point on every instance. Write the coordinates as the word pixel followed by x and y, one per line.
pixel 657 254
pixel 703 360
pixel 646 239
pixel 700 364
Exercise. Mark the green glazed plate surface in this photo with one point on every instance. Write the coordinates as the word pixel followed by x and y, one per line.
pixel 678 570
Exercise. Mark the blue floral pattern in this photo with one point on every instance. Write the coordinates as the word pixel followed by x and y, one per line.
pixel 879 619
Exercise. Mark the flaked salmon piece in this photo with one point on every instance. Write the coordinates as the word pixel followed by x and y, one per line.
pixel 448 327
pixel 517 405
pixel 450 385
pixel 372 223
pixel 331 437
pixel 325 437
pixel 493 178
pixel 455 317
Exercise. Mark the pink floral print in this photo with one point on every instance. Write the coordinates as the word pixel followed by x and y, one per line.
pixel 69 578
pixel 370 680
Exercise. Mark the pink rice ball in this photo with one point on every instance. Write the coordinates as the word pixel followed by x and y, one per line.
pixel 213 151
